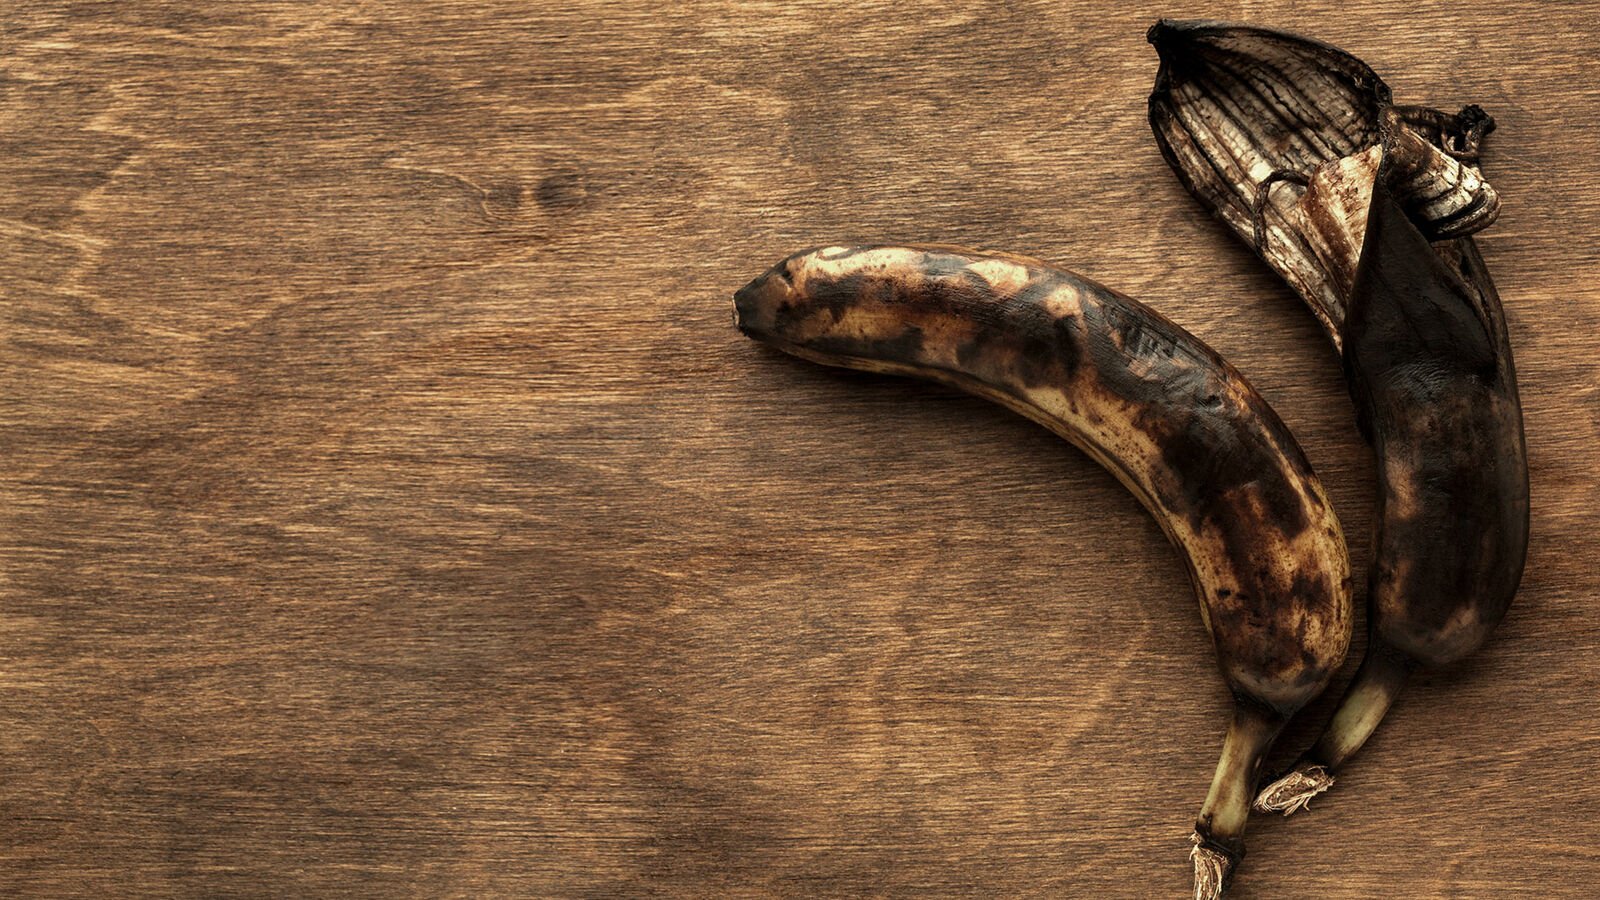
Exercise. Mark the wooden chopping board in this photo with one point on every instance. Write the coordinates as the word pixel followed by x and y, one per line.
pixel 388 507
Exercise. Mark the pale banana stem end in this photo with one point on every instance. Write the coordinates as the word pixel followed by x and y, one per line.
pixel 1211 870
pixel 1219 830
pixel 1293 792
pixel 1372 692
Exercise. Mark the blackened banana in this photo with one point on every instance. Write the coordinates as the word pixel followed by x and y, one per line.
pixel 1147 400
pixel 1366 208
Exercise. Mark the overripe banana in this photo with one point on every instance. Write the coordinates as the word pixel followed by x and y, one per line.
pixel 1147 400
pixel 1365 209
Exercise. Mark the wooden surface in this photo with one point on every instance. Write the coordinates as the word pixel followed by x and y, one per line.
pixel 390 509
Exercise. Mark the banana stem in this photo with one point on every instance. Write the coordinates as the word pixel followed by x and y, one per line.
pixel 1378 682
pixel 1382 674
pixel 1219 832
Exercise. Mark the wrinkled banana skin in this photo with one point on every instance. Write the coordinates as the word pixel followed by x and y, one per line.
pixel 1176 424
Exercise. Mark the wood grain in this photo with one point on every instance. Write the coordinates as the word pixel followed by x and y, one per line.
pixel 389 508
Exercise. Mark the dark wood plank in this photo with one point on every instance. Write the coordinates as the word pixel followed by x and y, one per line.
pixel 389 508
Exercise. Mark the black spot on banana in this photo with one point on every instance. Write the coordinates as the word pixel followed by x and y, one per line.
pixel 1365 209
pixel 1162 411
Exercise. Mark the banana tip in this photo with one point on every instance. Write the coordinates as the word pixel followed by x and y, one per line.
pixel 745 301
pixel 1169 32
pixel 756 306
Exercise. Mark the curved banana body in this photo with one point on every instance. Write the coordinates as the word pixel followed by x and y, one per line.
pixel 1376 239
pixel 1162 411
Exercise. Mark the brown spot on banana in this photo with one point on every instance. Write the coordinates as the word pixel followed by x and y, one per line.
pixel 1376 242
pixel 1162 411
